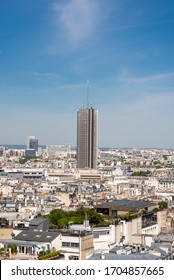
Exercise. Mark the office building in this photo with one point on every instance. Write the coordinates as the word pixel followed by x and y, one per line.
pixel 87 138
pixel 32 143
pixel 30 153
pixel 2 151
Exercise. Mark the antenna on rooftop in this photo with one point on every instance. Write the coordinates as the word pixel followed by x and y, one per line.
pixel 86 222
pixel 87 86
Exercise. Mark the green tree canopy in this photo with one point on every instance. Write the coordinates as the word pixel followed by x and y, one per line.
pixel 56 215
pixel 61 218
pixel 140 173
pixel 24 159
pixel 162 204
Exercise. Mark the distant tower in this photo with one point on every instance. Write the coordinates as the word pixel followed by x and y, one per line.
pixel 32 143
pixel 87 138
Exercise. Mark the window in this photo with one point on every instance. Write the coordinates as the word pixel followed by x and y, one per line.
pixel 72 244
pixel 75 245
pixel 65 244
pixel 73 258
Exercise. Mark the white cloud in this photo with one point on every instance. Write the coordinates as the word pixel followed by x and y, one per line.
pixel 78 19
pixel 124 77
pixel 143 24
pixel 46 75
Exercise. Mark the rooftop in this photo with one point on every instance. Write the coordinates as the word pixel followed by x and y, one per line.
pixel 37 221
pixel 111 256
pixel 40 236
pixel 125 203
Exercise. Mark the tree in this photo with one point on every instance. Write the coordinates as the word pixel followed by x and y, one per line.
pixel 92 215
pixel 24 159
pixel 56 215
pixel 95 218
pixel 13 248
pixel 61 218
pixel 140 173
pixel 162 204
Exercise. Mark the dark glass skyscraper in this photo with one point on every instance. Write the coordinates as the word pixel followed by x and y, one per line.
pixel 87 138
pixel 32 143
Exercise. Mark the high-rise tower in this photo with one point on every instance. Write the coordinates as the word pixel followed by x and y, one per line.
pixel 87 138
pixel 32 143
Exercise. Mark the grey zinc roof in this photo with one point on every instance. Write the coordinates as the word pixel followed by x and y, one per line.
pixel 40 236
pixel 36 221
pixel 21 242
pixel 127 203
pixel 166 237
pixel 108 256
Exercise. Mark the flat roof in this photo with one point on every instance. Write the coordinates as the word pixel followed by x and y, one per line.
pixel 124 204
pixel 111 256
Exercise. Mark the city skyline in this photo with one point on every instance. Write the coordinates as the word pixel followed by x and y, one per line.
pixel 49 49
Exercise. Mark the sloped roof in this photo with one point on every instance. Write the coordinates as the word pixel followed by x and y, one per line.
pixel 37 221
pixel 40 236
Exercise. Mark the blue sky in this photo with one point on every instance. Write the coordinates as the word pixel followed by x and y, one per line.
pixel 49 49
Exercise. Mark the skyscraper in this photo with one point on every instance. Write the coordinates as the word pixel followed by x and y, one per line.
pixel 32 143
pixel 87 138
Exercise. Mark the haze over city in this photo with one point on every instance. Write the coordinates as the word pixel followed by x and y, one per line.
pixel 48 51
